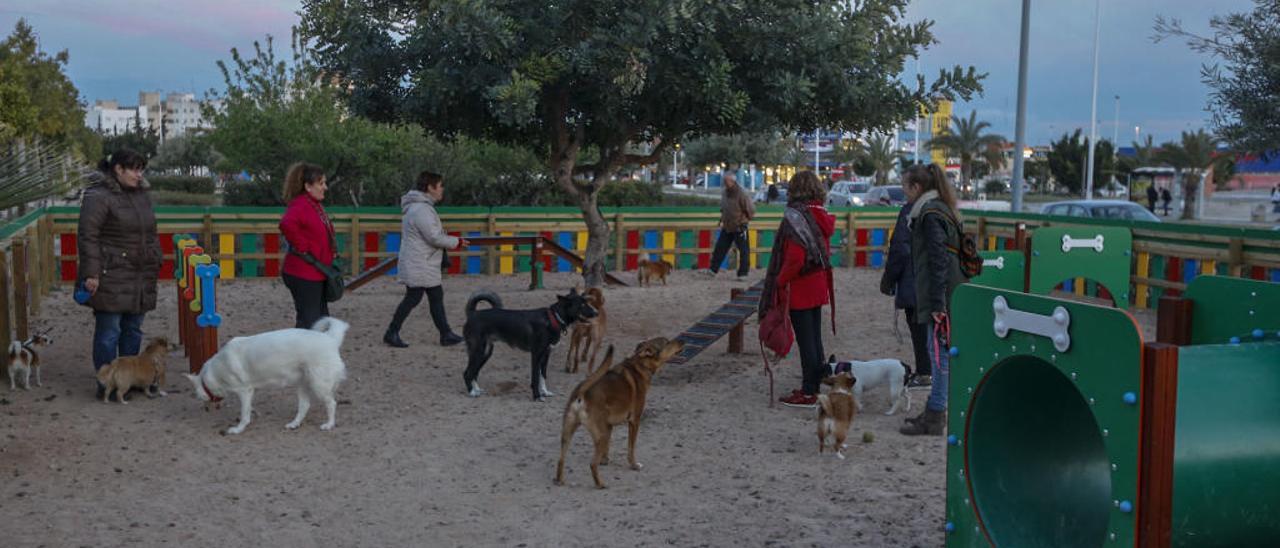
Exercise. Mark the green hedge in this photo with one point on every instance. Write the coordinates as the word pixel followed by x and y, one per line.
pixel 182 183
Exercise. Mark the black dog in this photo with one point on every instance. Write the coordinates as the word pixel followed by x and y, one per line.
pixel 534 331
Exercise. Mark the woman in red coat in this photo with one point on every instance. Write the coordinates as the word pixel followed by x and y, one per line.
pixel 800 269
pixel 306 229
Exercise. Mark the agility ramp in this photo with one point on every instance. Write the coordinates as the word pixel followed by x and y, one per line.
pixel 722 321
pixel 1066 430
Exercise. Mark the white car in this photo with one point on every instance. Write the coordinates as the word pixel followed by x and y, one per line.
pixel 848 193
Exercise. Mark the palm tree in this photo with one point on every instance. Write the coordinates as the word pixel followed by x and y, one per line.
pixel 878 151
pixel 1190 158
pixel 964 140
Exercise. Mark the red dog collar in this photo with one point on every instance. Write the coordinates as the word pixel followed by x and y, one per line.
pixel 556 323
pixel 212 398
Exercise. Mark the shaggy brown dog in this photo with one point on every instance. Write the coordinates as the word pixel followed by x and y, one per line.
pixel 588 335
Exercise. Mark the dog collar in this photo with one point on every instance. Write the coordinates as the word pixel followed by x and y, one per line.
pixel 212 398
pixel 556 322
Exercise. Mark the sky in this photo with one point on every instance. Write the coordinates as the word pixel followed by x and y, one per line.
pixel 172 45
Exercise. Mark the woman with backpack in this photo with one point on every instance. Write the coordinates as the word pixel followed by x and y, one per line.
pixel 937 238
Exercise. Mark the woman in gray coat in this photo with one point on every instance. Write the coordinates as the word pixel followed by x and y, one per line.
pixel 422 248
pixel 119 254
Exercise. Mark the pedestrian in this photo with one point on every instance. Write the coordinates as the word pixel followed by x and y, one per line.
pixel 736 211
pixel 1166 197
pixel 799 277
pixel 771 194
pixel 119 255
pixel 936 230
pixel 1275 199
pixel 898 280
pixel 423 246
pixel 307 230
pixel 1152 196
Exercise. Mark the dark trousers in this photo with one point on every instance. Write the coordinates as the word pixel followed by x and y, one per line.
pixel 435 304
pixel 308 300
pixel 115 334
pixel 807 325
pixel 919 341
pixel 723 241
pixel 1166 208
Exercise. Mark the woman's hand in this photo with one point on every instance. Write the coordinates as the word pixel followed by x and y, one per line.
pixel 91 284
pixel 462 243
pixel 940 317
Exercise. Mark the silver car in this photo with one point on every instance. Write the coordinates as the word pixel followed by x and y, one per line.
pixel 1100 209
pixel 848 193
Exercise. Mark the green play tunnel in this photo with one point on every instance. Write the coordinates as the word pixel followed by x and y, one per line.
pixel 1031 435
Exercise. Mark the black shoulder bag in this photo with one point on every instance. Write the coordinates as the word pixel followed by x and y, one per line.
pixel 334 286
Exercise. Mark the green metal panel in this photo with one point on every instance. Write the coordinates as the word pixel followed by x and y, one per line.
pixel 838 257
pixel 765 241
pixel 1045 447
pixel 249 268
pixel 1226 460
pixel 685 240
pixel 1002 269
pixel 1233 307
pixel 1157 273
pixel 1051 265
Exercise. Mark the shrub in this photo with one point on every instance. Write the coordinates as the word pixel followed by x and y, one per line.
pixel 182 183
pixel 173 197
pixel 251 193
pixel 995 187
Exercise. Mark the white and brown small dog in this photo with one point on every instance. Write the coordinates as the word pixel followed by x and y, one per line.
pixel 145 371
pixel 308 358
pixel 835 412
pixel 873 373
pixel 23 358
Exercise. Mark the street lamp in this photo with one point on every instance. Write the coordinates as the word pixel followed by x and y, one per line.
pixel 675 164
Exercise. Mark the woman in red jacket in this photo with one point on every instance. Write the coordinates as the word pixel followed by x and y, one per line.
pixel 800 271
pixel 306 229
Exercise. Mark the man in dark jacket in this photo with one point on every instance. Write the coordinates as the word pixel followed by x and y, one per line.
pixel 898 280
pixel 1152 196
pixel 736 211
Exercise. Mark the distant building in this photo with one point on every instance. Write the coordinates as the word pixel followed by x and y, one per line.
pixel 175 115
pixel 106 116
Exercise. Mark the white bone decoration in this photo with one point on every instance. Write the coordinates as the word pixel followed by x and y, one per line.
pixel 1069 243
pixel 1055 326
pixel 997 263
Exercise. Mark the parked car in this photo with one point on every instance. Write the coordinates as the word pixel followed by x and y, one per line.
pixel 1100 209
pixel 848 193
pixel 763 193
pixel 886 195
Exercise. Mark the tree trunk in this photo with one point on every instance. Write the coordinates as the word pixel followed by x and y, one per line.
pixel 597 240
pixel 1190 185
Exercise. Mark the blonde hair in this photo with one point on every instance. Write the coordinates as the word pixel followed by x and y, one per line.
pixel 806 187
pixel 299 176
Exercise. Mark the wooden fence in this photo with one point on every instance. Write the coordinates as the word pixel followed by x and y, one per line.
pixel 39 249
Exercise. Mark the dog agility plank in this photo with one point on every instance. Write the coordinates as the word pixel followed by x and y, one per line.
pixel 717 324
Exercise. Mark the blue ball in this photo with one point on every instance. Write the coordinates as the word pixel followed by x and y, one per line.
pixel 955 351
pixel 1130 398
pixel 952 440
pixel 951 527
pixel 1258 333
pixel 1235 340
pixel 1126 506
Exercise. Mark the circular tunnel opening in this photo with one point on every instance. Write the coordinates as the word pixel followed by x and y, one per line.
pixel 1037 463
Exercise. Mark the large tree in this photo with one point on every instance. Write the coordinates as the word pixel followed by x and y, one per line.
pixel 583 81
pixel 965 140
pixel 1191 157
pixel 878 151
pixel 1246 85
pixel 1068 156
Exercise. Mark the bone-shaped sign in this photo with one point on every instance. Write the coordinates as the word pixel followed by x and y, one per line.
pixel 209 316
pixel 192 291
pixel 1069 243
pixel 997 263
pixel 1055 326
pixel 179 261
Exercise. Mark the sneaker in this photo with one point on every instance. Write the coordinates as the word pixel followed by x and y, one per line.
pixel 450 339
pixel 793 394
pixel 801 400
pixel 920 380
pixel 743 276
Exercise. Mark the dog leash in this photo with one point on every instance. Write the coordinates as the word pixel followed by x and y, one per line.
pixel 768 371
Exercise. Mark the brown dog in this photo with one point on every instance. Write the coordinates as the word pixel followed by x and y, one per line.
pixel 835 412
pixel 588 335
pixel 653 269
pixel 610 396
pixel 146 371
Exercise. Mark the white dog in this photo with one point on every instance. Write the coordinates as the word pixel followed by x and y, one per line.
pixel 871 374
pixel 306 357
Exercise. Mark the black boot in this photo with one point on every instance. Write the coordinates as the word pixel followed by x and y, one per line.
pixel 392 338
pixel 450 339
pixel 931 424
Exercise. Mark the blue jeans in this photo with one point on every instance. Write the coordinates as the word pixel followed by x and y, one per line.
pixel 115 334
pixel 939 359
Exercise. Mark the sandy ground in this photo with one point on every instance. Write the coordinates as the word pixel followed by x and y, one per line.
pixel 414 461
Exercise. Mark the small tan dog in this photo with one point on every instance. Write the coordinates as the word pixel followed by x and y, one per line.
pixel 588 335
pixel 145 371
pixel 23 358
pixel 835 412
pixel 653 269
pixel 611 396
